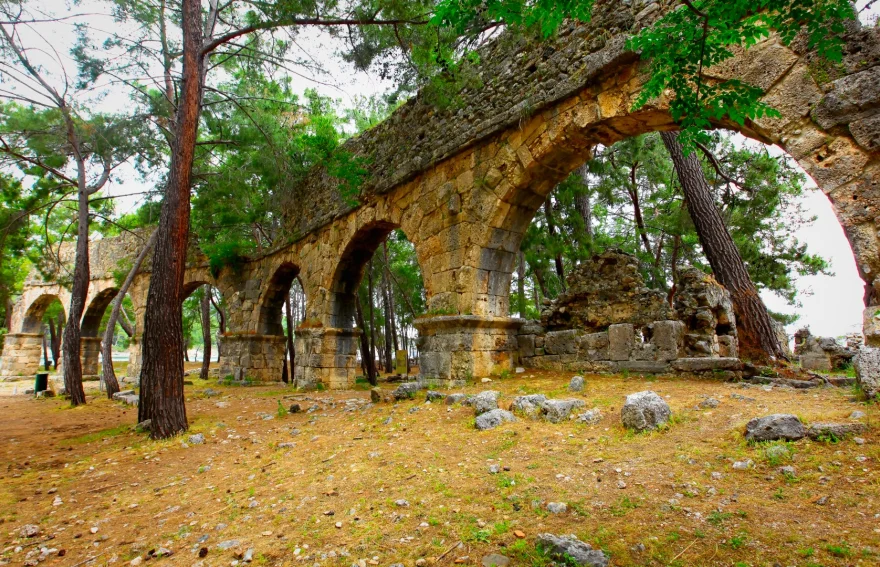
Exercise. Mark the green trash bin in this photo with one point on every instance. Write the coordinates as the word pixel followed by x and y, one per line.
pixel 41 384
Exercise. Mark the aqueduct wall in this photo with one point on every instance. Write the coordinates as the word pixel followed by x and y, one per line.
pixel 463 183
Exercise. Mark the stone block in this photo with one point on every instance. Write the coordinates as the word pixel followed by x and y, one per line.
pixel 621 340
pixel 561 342
pixel 641 366
pixel 667 337
pixel 593 346
pixel 706 364
pixel 813 361
pixel 526 345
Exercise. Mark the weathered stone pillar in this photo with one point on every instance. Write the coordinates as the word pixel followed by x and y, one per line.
pixel 90 355
pixel 21 356
pixel 135 359
pixel 250 356
pixel 463 347
pixel 326 356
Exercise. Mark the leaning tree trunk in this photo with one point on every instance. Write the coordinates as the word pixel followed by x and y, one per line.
pixel 107 369
pixel 757 336
pixel 206 333
pixel 55 337
pixel 161 397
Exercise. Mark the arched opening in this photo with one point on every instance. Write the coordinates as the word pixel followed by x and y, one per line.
pixel 378 289
pixel 282 309
pixel 46 317
pixel 627 197
pixel 204 322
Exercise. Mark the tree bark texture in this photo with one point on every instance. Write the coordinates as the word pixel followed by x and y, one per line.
pixel 551 228
pixel 521 283
pixel 584 206
pixel 757 335
pixel 206 333
pixel 369 367
pixel 161 395
pixel 290 345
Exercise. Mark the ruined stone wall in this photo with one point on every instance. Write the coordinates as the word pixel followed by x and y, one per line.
pixel 609 320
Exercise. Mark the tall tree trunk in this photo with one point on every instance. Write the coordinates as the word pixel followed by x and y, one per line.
pixel 372 318
pixel 54 345
pixel 107 370
pixel 70 343
pixel 584 207
pixel 290 345
pixel 757 335
pixel 369 367
pixel 388 290
pixel 551 228
pixel 206 333
pixel 45 349
pixel 633 192
pixel 9 307
pixel 161 397
pixel 386 305
pixel 56 340
pixel 221 325
pixel 521 283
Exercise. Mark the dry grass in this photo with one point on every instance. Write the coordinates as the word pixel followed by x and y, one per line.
pixel 143 494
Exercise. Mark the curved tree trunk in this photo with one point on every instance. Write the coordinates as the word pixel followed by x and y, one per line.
pixel 551 228
pixel 161 396
pixel 206 333
pixel 291 347
pixel 757 335
pixel 107 370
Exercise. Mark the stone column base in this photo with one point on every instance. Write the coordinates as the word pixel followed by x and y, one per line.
pixel 21 356
pixel 464 347
pixel 135 360
pixel 326 356
pixel 255 357
pixel 90 355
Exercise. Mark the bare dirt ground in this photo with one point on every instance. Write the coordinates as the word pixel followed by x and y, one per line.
pixel 327 486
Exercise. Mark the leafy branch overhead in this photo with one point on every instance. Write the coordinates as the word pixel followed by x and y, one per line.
pixel 681 46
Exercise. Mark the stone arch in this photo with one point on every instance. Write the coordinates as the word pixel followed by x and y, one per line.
pixel 274 296
pixel 91 321
pixel 518 170
pixel 192 285
pixel 350 270
pixel 33 317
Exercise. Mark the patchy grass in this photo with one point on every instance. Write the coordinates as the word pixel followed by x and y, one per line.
pixel 351 467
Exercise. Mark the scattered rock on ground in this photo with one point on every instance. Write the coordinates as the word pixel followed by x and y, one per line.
pixel 743 465
pixel 709 403
pixel 857 415
pixel 144 426
pixel 833 431
pixel 433 396
pixel 776 427
pixel 29 530
pixel 196 439
pixel 406 391
pixel 591 417
pixel 556 411
pixel 453 399
pixel 570 549
pixel 557 507
pixel 644 410
pixel 295 408
pixel 576 384
pixel 528 405
pixel 375 395
pixel 484 402
pixel 493 419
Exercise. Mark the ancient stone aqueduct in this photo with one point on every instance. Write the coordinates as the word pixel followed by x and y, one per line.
pixel 463 184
